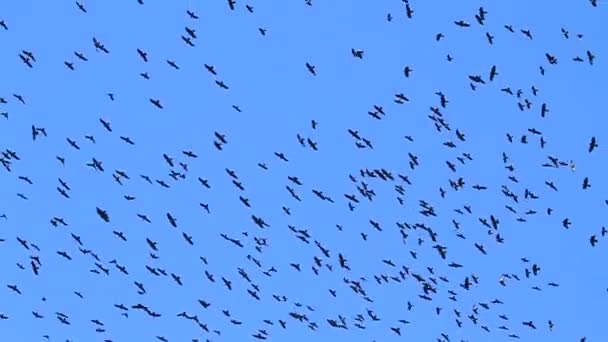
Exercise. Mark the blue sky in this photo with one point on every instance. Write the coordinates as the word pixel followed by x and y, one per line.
pixel 268 80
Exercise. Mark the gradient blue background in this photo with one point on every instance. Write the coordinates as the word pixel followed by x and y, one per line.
pixel 269 81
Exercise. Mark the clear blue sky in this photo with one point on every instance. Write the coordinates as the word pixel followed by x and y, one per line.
pixel 278 97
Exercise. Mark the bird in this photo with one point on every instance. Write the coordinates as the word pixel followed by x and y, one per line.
pixel 221 84
pixel 592 144
pixel 357 53
pixel 172 64
pixel 590 57
pixel 99 46
pixel 311 69
pixel 81 7
pixel 143 55
pixel 156 103
pixel 493 73
pixel 191 14
pixel 407 71
pixel 105 124
pixel 103 214
pixel 408 10
pixel 211 69
pixel 593 240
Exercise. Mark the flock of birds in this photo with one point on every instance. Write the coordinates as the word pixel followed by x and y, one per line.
pixel 425 269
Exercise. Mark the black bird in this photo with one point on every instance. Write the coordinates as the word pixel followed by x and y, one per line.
pixel 156 103
pixel 211 69
pixel 544 110
pixel 593 240
pixel 177 279
pixel 191 14
pixel 191 32
pixel 187 40
pixel 99 46
pixel 490 38
pixel 106 125
pixel 172 64
pixel 127 140
pixel 527 33
pixel 311 69
pixel 281 156
pixel 14 288
pixel 221 137
pixel 221 84
pixel 172 220
pixel 590 57
pixel 592 144
pixel 81 7
pixel 408 11
pixel 586 183
pixel 460 135
pixel 493 73
pixel 190 154
pixel 19 98
pixel 143 55
pixel 103 214
pixel 80 56
pixel 407 71
pixel 357 53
